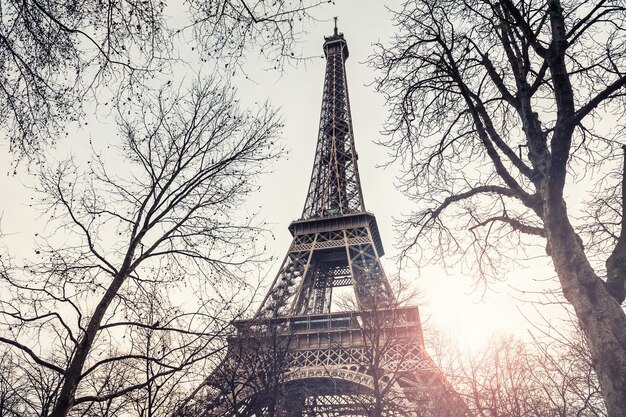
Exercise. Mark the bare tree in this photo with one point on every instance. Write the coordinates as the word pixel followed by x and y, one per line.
pixel 563 368
pixel 548 376
pixel 405 380
pixel 162 395
pixel 495 107
pixel 56 56
pixel 498 381
pixel 11 401
pixel 25 390
pixel 144 266
pixel 250 378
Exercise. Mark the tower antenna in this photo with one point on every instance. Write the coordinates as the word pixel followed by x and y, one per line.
pixel 336 32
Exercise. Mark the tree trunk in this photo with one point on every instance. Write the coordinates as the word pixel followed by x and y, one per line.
pixel 601 317
pixel 73 374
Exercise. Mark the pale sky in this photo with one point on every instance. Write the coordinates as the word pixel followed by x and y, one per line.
pixel 447 300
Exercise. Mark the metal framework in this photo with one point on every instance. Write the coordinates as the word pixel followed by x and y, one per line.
pixel 327 253
pixel 335 188
pixel 298 357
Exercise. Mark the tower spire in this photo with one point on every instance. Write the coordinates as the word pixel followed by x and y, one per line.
pixel 335 188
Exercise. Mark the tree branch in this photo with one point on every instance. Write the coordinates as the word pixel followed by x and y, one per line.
pixel 483 189
pixel 515 224
pixel 595 101
pixel 32 354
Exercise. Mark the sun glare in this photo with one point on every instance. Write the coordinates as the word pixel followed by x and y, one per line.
pixel 471 329
pixel 469 318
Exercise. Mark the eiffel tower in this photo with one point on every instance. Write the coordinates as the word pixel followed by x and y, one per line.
pixel 299 357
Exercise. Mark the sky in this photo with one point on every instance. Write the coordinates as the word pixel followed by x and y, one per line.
pixel 448 300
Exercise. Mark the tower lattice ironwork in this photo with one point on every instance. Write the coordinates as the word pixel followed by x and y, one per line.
pixel 300 357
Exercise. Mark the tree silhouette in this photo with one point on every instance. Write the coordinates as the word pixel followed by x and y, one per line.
pixel 496 107
pixel 61 57
pixel 142 272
